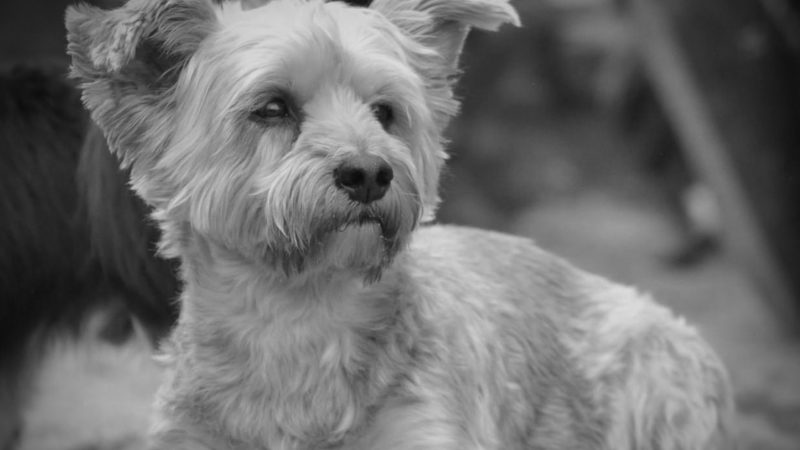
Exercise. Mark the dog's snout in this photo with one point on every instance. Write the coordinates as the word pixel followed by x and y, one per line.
pixel 365 178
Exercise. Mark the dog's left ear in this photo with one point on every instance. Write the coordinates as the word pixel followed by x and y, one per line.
pixel 441 26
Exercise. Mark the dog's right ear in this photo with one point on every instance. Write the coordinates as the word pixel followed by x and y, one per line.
pixel 128 59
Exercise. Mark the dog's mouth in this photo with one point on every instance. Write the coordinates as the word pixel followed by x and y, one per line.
pixel 370 219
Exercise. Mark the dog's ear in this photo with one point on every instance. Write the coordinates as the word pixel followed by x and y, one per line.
pixel 443 25
pixel 127 61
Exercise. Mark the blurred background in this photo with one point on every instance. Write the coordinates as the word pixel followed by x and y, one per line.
pixel 652 142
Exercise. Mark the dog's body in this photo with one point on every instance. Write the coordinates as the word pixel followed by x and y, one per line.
pixel 290 153
pixel 471 340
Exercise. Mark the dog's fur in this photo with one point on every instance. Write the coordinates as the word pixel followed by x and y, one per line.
pixel 39 141
pixel 310 320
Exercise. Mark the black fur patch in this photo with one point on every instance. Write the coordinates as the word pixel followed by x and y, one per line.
pixel 43 242
pixel 123 238
pixel 73 238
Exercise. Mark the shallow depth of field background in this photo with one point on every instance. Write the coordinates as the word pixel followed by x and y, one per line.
pixel 562 139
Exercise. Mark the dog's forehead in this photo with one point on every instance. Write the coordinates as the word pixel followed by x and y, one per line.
pixel 300 45
pixel 297 26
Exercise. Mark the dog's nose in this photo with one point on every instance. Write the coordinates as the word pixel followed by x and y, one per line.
pixel 365 178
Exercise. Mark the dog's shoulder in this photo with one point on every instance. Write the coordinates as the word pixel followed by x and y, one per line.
pixel 623 358
pixel 488 286
pixel 493 265
pixel 481 248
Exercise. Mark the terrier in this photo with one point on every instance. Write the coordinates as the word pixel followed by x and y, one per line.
pixel 291 154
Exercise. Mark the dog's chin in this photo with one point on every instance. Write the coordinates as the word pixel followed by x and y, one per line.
pixel 355 241
pixel 359 245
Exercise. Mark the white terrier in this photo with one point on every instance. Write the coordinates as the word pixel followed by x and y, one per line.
pixel 290 153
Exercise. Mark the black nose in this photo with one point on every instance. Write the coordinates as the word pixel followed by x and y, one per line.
pixel 365 178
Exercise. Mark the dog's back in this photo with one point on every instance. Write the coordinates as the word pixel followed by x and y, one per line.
pixel 568 359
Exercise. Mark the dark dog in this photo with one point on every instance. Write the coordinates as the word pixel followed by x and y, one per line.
pixel 64 249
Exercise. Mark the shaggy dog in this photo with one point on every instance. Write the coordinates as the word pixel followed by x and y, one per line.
pixel 291 154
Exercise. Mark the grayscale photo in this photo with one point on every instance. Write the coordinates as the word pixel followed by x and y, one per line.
pixel 400 225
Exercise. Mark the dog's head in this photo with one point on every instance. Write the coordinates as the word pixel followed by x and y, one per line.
pixel 300 132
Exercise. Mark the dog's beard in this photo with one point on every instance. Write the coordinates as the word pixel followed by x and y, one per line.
pixel 359 245
pixel 356 238
pixel 366 239
pixel 306 224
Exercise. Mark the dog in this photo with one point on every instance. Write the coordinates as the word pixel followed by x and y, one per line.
pixel 68 252
pixel 291 155
pixel 76 241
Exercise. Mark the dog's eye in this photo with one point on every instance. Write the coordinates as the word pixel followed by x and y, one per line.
pixel 361 3
pixel 383 113
pixel 273 109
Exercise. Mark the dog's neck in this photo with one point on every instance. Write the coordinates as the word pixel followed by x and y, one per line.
pixel 266 344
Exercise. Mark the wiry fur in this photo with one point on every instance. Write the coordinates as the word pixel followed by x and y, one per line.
pixel 311 321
